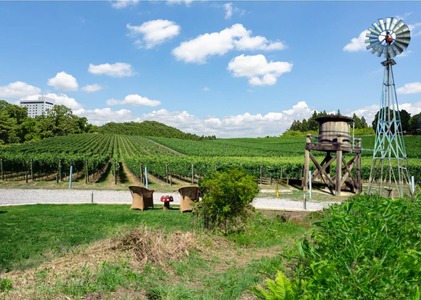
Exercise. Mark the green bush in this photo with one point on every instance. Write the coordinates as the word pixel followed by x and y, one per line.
pixel 226 199
pixel 366 248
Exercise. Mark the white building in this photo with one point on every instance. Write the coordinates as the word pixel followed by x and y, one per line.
pixel 37 107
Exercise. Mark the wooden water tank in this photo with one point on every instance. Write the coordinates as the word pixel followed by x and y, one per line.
pixel 330 127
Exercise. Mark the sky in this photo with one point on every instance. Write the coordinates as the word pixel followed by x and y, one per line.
pixel 223 68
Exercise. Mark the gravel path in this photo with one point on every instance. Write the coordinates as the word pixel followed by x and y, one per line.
pixel 9 197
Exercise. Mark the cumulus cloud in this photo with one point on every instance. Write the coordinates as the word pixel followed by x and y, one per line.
pixel 63 82
pixel 154 32
pixel 123 3
pixel 134 99
pixel 118 69
pixel 243 125
pixel 236 37
pixel 410 88
pixel 100 116
pixel 257 69
pixel 18 89
pixel 357 44
pixel 91 88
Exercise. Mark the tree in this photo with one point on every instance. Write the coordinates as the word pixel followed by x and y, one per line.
pixel 405 117
pixel 415 124
pixel 10 118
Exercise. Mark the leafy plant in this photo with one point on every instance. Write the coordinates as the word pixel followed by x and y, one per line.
pixel 226 199
pixel 367 248
pixel 278 289
pixel 5 285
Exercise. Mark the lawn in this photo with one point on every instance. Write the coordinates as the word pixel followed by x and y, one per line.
pixel 99 251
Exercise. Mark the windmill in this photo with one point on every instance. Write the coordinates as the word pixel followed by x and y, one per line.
pixel 389 169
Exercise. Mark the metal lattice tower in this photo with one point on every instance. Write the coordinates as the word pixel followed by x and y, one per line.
pixel 389 168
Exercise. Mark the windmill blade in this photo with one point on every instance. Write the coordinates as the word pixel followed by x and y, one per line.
pixel 401 44
pixel 375 46
pixel 402 29
pixel 393 24
pixel 374 30
pixel 372 35
pixel 388 21
pixel 382 26
pixel 399 25
pixel 404 40
pixel 398 49
pixel 373 42
pixel 377 27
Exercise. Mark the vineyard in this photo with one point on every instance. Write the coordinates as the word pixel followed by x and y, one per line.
pixel 91 155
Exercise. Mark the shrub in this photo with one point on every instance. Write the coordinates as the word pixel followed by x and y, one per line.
pixel 226 199
pixel 366 248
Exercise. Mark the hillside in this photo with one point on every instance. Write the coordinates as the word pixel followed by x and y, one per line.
pixel 148 128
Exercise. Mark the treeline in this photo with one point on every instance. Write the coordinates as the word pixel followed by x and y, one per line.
pixel 17 127
pixel 149 128
pixel 312 126
pixel 410 124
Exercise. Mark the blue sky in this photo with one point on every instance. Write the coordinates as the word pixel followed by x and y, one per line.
pixel 230 69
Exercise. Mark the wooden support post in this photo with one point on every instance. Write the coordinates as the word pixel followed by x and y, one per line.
pixel 1 169
pixel 338 168
pixel 306 169
pixel 192 173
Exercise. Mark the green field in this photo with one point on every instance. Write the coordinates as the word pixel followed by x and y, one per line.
pixel 92 154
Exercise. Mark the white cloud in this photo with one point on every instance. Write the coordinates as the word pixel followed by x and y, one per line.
pixel 134 99
pixel 91 88
pixel 410 88
pixel 118 69
pixel 18 89
pixel 186 2
pixel 257 69
pixel 61 99
pixel 357 44
pixel 63 82
pixel 237 37
pixel 124 3
pixel 228 10
pixel 245 125
pixel 154 32
pixel 100 116
pixel 415 29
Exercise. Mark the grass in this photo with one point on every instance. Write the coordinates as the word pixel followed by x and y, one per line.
pixel 30 233
pixel 63 251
